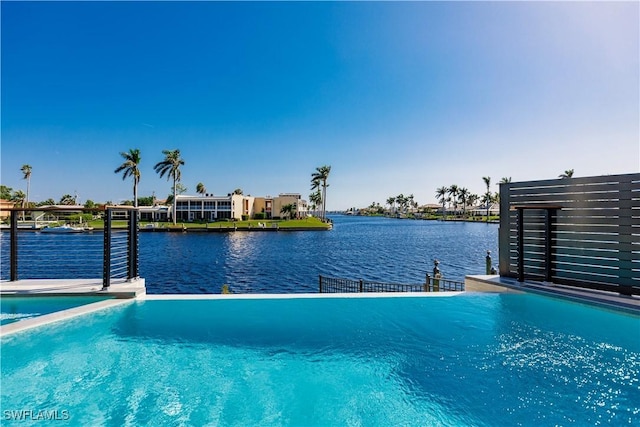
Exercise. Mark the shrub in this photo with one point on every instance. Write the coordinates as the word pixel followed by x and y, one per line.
pixel 260 215
pixel 245 217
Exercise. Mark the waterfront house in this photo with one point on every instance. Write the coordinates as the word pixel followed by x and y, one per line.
pixel 5 205
pixel 235 206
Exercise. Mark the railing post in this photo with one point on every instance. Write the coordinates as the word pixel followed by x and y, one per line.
pixel 436 276
pixel 14 246
pixel 427 282
pixel 320 283
pixel 132 256
pixel 106 257
pixel 361 285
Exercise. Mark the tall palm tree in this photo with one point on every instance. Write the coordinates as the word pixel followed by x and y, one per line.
pixel 201 189
pixel 391 201
pixel 463 196
pixel 130 168
pixel 567 174
pixel 26 171
pixel 487 197
pixel 441 194
pixel 319 179
pixel 472 199
pixel 401 200
pixel 171 167
pixel 505 180
pixel 453 192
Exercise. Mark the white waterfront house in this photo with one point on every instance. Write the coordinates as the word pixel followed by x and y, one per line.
pixel 208 207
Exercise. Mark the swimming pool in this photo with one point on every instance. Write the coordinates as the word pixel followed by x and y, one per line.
pixel 481 360
pixel 16 308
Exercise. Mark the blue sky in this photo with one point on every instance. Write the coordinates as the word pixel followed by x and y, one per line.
pixel 396 97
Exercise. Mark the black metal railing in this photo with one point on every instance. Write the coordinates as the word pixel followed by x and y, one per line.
pixel 431 284
pixel 39 251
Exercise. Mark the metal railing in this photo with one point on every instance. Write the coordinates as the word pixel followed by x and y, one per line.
pixel 431 284
pixel 52 252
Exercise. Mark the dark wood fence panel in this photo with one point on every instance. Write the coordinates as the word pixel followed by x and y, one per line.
pixel 575 231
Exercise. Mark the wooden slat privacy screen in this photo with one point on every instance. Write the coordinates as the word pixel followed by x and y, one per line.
pixel 575 231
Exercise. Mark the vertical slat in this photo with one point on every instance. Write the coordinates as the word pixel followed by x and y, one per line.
pixel 132 256
pixel 106 257
pixel 14 246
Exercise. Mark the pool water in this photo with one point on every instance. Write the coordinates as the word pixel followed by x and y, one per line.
pixel 13 309
pixel 473 360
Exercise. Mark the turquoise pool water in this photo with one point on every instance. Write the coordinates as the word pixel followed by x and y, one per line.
pixel 13 309
pixel 473 360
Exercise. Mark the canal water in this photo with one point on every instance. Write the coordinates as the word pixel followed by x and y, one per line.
pixel 369 248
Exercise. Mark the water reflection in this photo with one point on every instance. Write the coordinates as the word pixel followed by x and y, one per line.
pixel 378 249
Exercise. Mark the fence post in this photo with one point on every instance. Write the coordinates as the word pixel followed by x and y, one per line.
pixel 132 255
pixel 361 285
pixel 14 246
pixel 106 257
pixel 427 281
pixel 320 283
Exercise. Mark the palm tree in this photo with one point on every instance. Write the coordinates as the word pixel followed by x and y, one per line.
pixel 201 189
pixel 453 192
pixel 463 196
pixel 472 199
pixel 319 179
pixel 412 203
pixel 566 174
pixel 489 199
pixel 316 199
pixel 171 167
pixel 130 168
pixel 391 201
pixel 18 198
pixel 67 200
pixel 487 196
pixel 505 180
pixel 401 200
pixel 237 191
pixel 26 171
pixel 441 194
pixel 288 209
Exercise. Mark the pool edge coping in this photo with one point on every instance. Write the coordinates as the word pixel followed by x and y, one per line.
pixel 47 319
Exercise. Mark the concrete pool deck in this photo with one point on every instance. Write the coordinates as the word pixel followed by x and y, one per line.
pixel 119 288
pixel 613 300
pixel 120 292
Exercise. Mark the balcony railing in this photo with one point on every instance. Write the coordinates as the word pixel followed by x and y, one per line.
pixel 46 247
